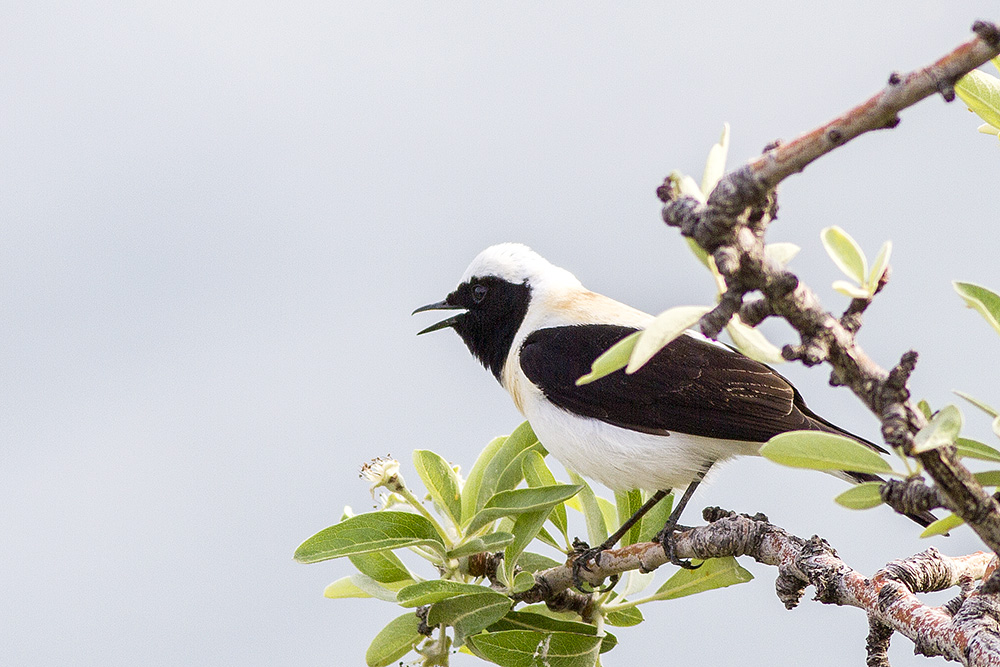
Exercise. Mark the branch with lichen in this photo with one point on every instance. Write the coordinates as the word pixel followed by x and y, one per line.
pixel 731 226
pixel 966 629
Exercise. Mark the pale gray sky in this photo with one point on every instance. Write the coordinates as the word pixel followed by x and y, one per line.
pixel 217 217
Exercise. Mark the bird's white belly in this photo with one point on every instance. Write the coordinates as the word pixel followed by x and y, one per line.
pixel 622 459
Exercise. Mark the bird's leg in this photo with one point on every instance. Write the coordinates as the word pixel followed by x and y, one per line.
pixel 666 536
pixel 584 553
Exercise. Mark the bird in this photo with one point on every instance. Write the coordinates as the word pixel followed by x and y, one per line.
pixel 697 402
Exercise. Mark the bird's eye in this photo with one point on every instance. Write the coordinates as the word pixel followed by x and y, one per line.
pixel 479 293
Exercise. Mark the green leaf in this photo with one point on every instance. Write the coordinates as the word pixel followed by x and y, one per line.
pixel 700 253
pixel 394 641
pixel 375 531
pixel 715 165
pixel 981 93
pixel 973 449
pixel 519 501
pixel 470 492
pixel 344 588
pixel 435 590
pixel 667 326
pixel 373 588
pixel 941 431
pixel 521 439
pixel 781 253
pixel 526 620
pixel 823 451
pixel 529 648
pixel 850 290
pixel 615 358
pixel 879 266
pixel 478 545
pixel 624 618
pixel 470 613
pixel 988 409
pixel 988 478
pixel 845 253
pixel 441 482
pixel 628 503
pixel 656 518
pixel 996 427
pixel 942 526
pixel 382 566
pixel 861 497
pixel 752 342
pixel 597 529
pixel 532 562
pixel 514 472
pixel 981 299
pixel 925 409
pixel 522 582
pixel 536 473
pixel 526 526
pixel 713 573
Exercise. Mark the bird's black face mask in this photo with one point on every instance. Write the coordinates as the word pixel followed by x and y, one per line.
pixel 494 309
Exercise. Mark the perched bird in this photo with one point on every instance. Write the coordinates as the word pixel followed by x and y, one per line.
pixel 538 330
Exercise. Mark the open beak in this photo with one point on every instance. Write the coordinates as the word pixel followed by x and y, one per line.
pixel 443 324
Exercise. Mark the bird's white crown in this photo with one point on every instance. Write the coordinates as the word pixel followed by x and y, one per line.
pixel 517 263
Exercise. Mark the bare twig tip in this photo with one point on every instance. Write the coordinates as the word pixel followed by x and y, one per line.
pixel 988 32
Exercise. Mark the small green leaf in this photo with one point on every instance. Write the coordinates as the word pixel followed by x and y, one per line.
pixel 988 478
pixel 536 473
pixel 374 588
pixel 656 518
pixel 942 526
pixel 715 165
pixel 615 358
pixel 624 618
pixel 981 299
pixel 394 641
pixel 375 531
pixel 434 590
pixel 628 503
pixel 470 613
pixel 988 409
pixel 981 93
pixel 522 582
pixel 526 527
pixel 532 562
pixel 713 573
pixel 382 566
pixel 848 289
pixel 823 451
pixel 973 449
pixel 514 472
pixel 845 253
pixel 519 501
pixel 751 342
pixel 470 492
pixel 682 185
pixel 941 431
pixel 492 474
pixel 441 482
pixel 861 497
pixel 781 253
pixel 528 648
pixel 478 545
pixel 700 253
pixel 597 529
pixel 879 266
pixel 526 620
pixel 925 409
pixel 344 588
pixel 986 128
pixel 667 326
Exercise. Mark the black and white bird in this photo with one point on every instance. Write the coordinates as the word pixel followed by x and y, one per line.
pixel 697 402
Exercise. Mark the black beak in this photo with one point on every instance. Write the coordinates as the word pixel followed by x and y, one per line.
pixel 443 324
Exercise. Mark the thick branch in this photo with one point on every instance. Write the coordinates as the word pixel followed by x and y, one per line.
pixel 889 597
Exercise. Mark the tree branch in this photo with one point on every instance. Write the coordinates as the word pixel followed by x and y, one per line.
pixel 731 226
pixel 967 631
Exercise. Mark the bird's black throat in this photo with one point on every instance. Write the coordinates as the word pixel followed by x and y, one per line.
pixel 491 322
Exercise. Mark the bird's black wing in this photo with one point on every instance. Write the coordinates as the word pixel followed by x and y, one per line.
pixel 691 386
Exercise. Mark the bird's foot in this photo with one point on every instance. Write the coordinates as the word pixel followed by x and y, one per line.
pixel 582 554
pixel 666 538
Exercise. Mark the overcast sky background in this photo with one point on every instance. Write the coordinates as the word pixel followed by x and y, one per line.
pixel 218 216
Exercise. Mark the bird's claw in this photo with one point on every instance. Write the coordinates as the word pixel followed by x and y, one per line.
pixel 582 554
pixel 666 538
